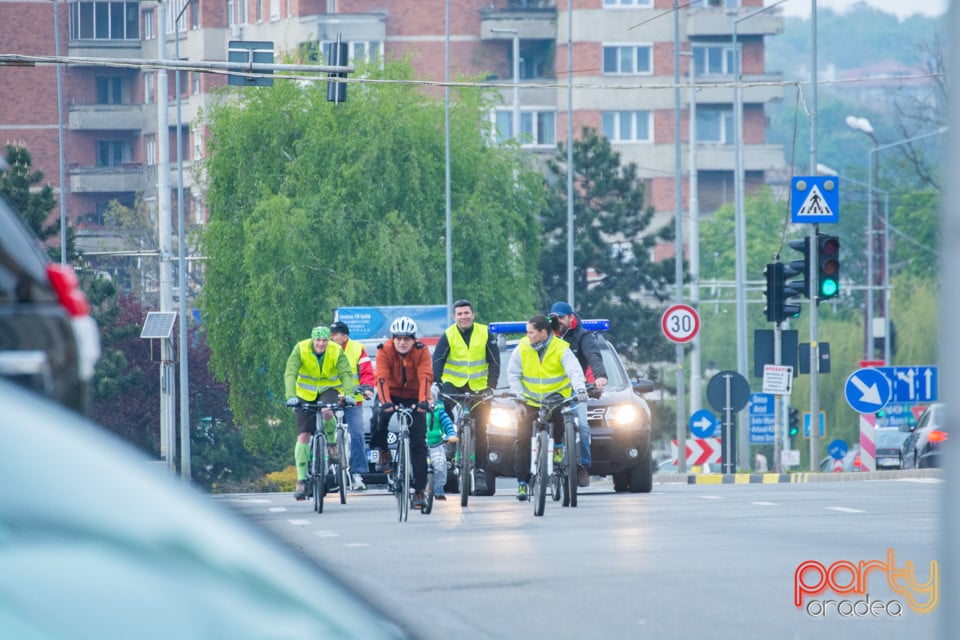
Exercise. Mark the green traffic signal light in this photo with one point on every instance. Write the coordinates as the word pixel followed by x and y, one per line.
pixel 828 266
pixel 794 427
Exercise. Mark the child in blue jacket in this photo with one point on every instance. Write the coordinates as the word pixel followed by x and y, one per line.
pixel 440 432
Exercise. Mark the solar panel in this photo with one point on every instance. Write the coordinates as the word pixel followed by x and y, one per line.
pixel 159 324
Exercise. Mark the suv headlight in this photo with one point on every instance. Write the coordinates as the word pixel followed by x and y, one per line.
pixel 622 414
pixel 503 419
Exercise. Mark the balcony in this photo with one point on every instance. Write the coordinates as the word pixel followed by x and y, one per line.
pixel 104 48
pixel 532 19
pixel 756 157
pixel 719 22
pixel 356 27
pixel 130 176
pixel 768 89
pixel 106 117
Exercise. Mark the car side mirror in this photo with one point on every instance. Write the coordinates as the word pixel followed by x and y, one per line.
pixel 644 385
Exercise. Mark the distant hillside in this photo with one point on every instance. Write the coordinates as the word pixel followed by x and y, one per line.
pixel 859 38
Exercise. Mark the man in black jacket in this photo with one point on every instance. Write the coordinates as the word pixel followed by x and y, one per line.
pixel 584 345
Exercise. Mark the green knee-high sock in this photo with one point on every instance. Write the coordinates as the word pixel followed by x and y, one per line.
pixel 301 455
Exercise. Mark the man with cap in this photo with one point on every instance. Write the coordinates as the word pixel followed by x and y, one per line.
pixel 584 345
pixel 467 360
pixel 362 370
pixel 317 371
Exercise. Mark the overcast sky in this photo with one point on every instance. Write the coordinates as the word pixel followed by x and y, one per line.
pixel 902 8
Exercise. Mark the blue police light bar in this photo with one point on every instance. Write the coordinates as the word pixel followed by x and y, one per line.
pixel 521 326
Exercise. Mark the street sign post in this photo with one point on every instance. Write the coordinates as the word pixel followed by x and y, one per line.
pixel 807 420
pixel 702 424
pixel 815 199
pixel 728 392
pixel 912 383
pixel 762 418
pixel 680 323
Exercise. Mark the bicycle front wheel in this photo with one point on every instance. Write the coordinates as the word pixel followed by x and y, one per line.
pixel 343 470
pixel 571 461
pixel 466 462
pixel 540 486
pixel 318 471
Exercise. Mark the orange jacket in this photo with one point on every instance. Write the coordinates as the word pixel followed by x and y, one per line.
pixel 404 376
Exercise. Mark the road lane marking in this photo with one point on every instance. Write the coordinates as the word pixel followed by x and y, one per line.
pixel 299 522
pixel 712 497
pixel 325 534
pixel 846 510
pixel 765 504
pixel 921 480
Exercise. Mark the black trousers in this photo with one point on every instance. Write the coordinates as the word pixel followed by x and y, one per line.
pixel 418 439
pixel 521 448
pixel 481 415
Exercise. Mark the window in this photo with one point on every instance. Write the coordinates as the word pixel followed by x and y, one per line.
pixel 110 90
pixel 627 59
pixel 96 20
pixel 150 149
pixel 149 24
pixel 715 125
pixel 714 60
pixel 274 9
pixel 195 77
pixel 627 126
pixel 259 10
pixel 613 4
pixel 112 153
pixel 539 128
pixel 197 143
pixel 357 51
pixel 231 13
pixel 149 88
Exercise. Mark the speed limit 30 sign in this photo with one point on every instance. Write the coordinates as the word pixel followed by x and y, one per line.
pixel 680 323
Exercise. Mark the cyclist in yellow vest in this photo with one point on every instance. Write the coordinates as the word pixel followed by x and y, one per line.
pixel 541 364
pixel 467 360
pixel 317 371
pixel 362 369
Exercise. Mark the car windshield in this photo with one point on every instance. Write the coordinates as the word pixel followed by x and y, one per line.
pixel 889 438
pixel 616 376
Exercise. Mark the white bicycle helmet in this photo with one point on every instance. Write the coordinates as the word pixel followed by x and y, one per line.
pixel 403 326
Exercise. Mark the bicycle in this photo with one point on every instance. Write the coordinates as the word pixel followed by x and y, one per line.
pixel 401 473
pixel 321 464
pixel 467 444
pixel 544 470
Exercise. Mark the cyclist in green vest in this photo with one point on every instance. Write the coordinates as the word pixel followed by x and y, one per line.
pixel 362 370
pixel 467 360
pixel 317 371
pixel 541 364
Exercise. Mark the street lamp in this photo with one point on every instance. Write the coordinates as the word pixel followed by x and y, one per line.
pixel 863 125
pixel 694 225
pixel 516 78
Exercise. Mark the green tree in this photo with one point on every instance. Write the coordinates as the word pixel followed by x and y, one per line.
pixel 314 206
pixel 613 272
pixel 22 187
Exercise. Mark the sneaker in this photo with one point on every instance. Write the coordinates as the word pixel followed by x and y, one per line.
pixel 358 484
pixel 522 491
pixel 583 478
pixel 480 481
pixel 419 500
pixel 558 454
pixel 332 453
pixel 439 496
pixel 301 492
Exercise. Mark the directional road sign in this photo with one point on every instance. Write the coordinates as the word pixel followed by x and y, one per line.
pixel 762 418
pixel 838 449
pixel 867 390
pixel 912 384
pixel 806 424
pixel 702 424
pixel 717 391
pixel 815 199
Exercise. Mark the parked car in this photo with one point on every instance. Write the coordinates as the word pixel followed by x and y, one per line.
pixel 620 427
pixel 48 341
pixel 888 442
pixel 102 544
pixel 921 447
pixel 850 462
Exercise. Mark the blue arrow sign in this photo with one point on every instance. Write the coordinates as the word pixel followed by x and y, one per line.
pixel 702 424
pixel 838 449
pixel 815 199
pixel 912 384
pixel 867 390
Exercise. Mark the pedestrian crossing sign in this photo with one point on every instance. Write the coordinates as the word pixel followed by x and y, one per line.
pixel 815 199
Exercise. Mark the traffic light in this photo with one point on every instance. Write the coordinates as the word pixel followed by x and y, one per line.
pixel 794 426
pixel 337 91
pixel 796 288
pixel 828 266
pixel 774 292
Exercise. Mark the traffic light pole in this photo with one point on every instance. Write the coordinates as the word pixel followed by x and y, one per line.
pixel 813 278
pixel 778 426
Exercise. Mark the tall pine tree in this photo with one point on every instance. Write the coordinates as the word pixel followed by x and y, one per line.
pixel 614 276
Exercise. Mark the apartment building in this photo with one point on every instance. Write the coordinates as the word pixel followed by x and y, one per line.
pixel 623 75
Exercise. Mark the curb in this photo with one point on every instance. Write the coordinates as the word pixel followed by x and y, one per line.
pixel 793 478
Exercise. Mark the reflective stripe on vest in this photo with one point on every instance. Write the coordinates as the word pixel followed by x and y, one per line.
pixel 467 364
pixel 540 378
pixel 311 379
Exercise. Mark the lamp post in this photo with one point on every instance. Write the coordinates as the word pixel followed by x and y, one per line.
pixel 185 471
pixel 863 125
pixel 516 78
pixel 693 222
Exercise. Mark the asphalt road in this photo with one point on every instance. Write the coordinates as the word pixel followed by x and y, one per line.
pixel 685 561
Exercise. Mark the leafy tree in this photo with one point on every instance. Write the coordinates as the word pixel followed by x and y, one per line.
pixel 314 206
pixel 613 271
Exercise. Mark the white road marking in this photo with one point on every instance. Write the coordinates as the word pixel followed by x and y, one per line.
pixel 921 480
pixel 299 523
pixel 326 534
pixel 712 497
pixel 277 509
pixel 249 500
pixel 765 504
pixel 846 510
pixel 357 544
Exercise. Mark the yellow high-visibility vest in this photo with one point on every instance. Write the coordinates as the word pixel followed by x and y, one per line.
pixel 467 364
pixel 539 377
